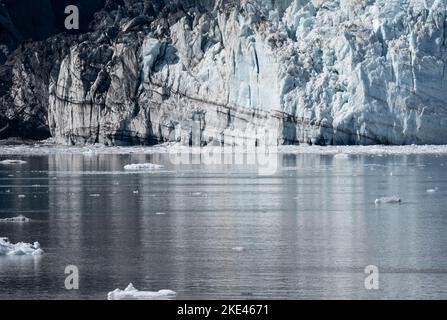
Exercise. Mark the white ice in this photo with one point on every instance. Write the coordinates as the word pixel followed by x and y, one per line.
pixel 18 219
pixel 130 293
pixel 11 162
pixel 392 199
pixel 19 249
pixel 341 156
pixel 143 166
pixel 172 147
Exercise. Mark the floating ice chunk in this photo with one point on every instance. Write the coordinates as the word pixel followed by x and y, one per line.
pixel 238 249
pixel 130 293
pixel 432 190
pixel 19 249
pixel 341 156
pixel 21 196
pixel 18 219
pixel 95 195
pixel 160 213
pixel 12 162
pixel 136 192
pixel 392 199
pixel 143 166
pixel 199 194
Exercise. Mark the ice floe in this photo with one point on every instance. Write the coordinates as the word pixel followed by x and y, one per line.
pixel 130 293
pixel 12 162
pixel 341 156
pixel 46 149
pixel 389 200
pixel 19 249
pixel 18 219
pixel 143 166
pixel 238 249
pixel 433 190
pixel 199 194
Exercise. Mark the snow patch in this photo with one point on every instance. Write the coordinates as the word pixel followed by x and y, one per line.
pixel 130 293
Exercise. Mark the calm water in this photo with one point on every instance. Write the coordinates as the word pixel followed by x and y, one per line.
pixel 307 232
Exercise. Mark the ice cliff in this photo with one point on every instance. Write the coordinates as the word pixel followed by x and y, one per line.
pixel 311 71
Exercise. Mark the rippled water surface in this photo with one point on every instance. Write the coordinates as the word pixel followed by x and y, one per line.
pixel 225 231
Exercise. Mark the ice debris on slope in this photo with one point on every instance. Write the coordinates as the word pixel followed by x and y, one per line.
pixel 19 249
pixel 143 166
pixel 174 148
pixel 18 219
pixel 130 293
pixel 388 200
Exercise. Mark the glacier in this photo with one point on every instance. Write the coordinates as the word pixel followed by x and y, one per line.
pixel 324 72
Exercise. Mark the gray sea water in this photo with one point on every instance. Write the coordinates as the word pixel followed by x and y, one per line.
pixel 307 231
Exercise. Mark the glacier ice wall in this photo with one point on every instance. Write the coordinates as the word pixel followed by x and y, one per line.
pixel 313 71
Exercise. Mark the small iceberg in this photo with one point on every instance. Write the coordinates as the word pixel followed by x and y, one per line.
pixel 341 156
pixel 18 219
pixel 19 249
pixel 433 190
pixel 238 249
pixel 389 200
pixel 12 162
pixel 130 293
pixel 143 166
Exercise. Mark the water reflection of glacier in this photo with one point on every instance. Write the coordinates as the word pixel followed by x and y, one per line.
pixel 307 231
